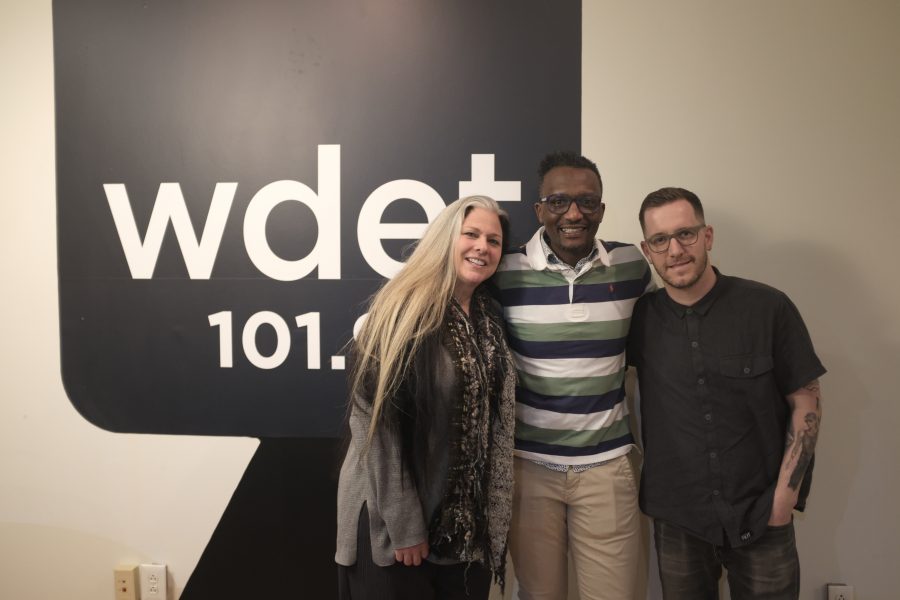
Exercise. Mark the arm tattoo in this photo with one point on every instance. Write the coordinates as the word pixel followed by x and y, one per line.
pixel 813 386
pixel 789 439
pixel 801 445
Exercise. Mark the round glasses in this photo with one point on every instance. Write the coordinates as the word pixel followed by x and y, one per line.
pixel 559 204
pixel 686 237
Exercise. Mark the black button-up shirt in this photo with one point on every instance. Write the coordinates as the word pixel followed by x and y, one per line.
pixel 713 379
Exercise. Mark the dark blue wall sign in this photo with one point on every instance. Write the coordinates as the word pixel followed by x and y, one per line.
pixel 236 178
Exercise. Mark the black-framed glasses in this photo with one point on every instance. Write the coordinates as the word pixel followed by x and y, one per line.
pixel 559 204
pixel 686 237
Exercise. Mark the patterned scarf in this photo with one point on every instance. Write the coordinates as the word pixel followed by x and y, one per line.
pixel 474 518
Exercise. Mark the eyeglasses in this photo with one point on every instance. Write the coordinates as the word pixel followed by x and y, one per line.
pixel 686 237
pixel 559 204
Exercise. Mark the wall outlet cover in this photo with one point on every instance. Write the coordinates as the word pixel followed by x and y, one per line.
pixel 153 582
pixel 126 582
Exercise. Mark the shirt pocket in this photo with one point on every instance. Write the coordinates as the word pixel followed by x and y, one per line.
pixel 749 378
pixel 749 381
pixel 746 367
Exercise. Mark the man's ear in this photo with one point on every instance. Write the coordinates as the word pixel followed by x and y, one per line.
pixel 645 249
pixel 537 212
pixel 708 235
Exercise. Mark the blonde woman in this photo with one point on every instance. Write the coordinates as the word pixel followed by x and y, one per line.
pixel 425 491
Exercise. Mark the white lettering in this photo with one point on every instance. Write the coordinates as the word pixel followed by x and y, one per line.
pixel 223 320
pixel 370 230
pixel 326 206
pixel 199 256
pixel 282 336
pixel 483 182
pixel 310 320
pixel 170 206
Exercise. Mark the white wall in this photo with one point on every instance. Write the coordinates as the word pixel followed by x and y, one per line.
pixel 74 500
pixel 783 117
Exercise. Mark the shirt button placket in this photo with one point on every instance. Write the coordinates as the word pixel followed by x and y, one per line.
pixel 704 397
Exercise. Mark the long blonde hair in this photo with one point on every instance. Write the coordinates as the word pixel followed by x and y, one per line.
pixel 411 306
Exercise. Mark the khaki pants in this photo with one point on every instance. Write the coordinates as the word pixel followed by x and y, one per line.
pixel 593 514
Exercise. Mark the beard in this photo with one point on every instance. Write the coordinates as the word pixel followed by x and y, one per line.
pixel 693 279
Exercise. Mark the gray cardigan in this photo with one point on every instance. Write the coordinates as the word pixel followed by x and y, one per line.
pixel 398 512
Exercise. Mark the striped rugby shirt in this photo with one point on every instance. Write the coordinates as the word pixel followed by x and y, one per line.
pixel 568 330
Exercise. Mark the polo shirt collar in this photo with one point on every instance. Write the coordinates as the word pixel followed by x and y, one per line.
pixel 539 252
pixel 703 305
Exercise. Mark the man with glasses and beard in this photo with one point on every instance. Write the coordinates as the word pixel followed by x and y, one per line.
pixel 567 298
pixel 729 399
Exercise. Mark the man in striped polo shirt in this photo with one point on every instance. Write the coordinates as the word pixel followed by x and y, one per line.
pixel 567 298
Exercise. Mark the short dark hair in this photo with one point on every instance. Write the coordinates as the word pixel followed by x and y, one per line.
pixel 567 159
pixel 667 195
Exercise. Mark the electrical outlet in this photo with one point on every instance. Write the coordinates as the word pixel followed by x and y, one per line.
pixel 126 578
pixel 153 582
pixel 840 591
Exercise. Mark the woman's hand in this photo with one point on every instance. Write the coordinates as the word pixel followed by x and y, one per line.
pixel 413 555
